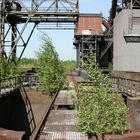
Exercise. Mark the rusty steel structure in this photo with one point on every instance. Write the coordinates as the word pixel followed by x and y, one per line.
pixel 91 38
pixel 17 15
pixel 116 7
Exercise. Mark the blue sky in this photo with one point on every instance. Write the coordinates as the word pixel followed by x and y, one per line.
pixel 63 39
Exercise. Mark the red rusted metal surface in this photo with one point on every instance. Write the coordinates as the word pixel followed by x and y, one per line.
pixel 11 135
pixel 92 22
pixel 129 136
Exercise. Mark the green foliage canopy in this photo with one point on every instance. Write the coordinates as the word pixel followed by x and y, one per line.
pixel 8 69
pixel 101 111
pixel 51 72
pixel 27 62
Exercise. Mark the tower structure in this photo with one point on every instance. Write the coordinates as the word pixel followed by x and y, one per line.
pixel 90 38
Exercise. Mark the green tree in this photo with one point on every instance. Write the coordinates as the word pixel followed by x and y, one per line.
pixel 51 72
pixel 69 66
pixel 28 62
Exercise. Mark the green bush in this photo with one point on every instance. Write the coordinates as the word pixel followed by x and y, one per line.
pixel 102 111
pixel 65 85
pixel 27 62
pixel 8 69
pixel 51 72
pixel 94 73
pixel 69 66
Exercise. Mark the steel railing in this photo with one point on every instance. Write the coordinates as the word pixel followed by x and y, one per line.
pixel 127 86
pixel 123 85
pixel 10 84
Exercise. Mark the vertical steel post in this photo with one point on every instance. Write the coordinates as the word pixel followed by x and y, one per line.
pixel 82 47
pixel 2 8
pixel 95 49
pixel 118 83
pixel 78 58
pixel 0 29
pixel 13 44
pixel 56 5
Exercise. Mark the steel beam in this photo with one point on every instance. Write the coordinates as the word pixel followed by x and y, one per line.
pixel 13 13
pixel 14 45
pixel 53 20
pixel 2 6
pixel 38 14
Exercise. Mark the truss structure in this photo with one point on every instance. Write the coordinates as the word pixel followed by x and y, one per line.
pixel 86 45
pixel 132 4
pixel 17 15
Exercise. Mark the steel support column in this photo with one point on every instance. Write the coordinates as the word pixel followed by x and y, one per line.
pixel 13 45
pixel 78 57
pixel 2 7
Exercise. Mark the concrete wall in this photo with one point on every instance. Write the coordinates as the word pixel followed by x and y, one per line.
pixel 126 55
pixel 134 110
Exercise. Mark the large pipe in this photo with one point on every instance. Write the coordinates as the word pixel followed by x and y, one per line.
pixel 106 24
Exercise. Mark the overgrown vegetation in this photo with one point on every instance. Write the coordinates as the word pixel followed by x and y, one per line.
pixel 68 65
pixel 28 62
pixel 101 111
pixel 51 72
pixel 8 70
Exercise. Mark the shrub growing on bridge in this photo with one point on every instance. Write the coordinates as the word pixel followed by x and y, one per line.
pixel 100 111
pixel 51 73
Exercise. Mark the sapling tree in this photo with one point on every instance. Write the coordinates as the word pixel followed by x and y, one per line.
pixel 51 73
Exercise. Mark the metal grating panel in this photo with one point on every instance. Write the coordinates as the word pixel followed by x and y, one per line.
pixel 65 117
pixel 64 98
pixel 61 124
pixel 63 136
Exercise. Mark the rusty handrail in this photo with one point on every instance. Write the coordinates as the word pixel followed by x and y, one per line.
pixel 127 86
pixel 11 83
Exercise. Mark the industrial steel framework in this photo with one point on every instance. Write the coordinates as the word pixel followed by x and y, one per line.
pixel 102 44
pixel 117 6
pixel 15 16
pixel 96 44
pixel 89 41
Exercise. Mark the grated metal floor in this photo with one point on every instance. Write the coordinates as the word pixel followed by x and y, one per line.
pixel 63 136
pixel 61 124
pixel 64 98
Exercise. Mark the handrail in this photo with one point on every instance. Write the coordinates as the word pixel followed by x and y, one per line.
pixel 11 83
pixel 127 86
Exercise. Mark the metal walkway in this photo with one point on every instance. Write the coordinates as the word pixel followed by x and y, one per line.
pixel 61 124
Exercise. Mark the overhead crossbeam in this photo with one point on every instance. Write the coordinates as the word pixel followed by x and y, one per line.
pixel 62 9
pixel 16 15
